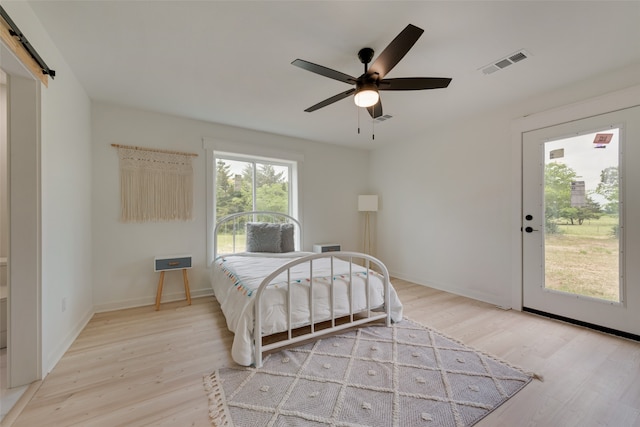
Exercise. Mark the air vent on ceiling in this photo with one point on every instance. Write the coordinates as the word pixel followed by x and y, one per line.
pixel 383 118
pixel 505 62
pixel 518 56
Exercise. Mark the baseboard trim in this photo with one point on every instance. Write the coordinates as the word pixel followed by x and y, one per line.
pixel 489 299
pixel 55 356
pixel 141 302
pixel 599 328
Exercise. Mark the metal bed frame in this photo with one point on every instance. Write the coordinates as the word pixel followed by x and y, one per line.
pixel 297 334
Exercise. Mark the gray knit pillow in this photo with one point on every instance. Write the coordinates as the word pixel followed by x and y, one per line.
pixel 286 238
pixel 263 237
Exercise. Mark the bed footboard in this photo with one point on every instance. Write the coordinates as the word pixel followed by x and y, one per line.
pixel 354 317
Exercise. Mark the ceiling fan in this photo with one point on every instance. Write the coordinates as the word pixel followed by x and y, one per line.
pixel 372 80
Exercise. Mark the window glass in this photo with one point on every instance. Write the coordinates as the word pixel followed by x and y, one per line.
pixel 251 184
pixel 272 188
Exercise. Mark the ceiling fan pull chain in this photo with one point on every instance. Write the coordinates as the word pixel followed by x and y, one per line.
pixel 358 113
pixel 373 130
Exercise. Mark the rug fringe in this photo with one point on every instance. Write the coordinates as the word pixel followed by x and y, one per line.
pixel 217 406
pixel 536 376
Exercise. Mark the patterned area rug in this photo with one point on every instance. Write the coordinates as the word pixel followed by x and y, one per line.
pixel 405 375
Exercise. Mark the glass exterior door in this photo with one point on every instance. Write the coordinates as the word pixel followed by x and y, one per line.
pixel 581 242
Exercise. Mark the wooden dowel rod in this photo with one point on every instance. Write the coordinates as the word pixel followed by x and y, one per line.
pixel 132 147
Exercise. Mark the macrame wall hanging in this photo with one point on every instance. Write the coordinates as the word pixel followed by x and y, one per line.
pixel 155 185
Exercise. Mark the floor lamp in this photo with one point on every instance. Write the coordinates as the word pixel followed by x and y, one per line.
pixel 367 203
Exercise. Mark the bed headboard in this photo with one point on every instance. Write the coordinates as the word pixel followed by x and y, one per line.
pixel 230 232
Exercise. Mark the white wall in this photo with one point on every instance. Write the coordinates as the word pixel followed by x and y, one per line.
pixel 331 179
pixel 447 199
pixel 65 196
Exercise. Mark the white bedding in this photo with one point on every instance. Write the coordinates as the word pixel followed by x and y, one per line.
pixel 234 279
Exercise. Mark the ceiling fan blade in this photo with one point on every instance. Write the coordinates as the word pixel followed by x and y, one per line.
pixel 375 111
pixel 324 71
pixel 395 51
pixel 414 83
pixel 331 100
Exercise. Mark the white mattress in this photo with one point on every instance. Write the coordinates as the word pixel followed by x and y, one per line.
pixel 235 278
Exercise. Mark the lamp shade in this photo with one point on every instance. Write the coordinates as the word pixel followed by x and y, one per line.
pixel 368 203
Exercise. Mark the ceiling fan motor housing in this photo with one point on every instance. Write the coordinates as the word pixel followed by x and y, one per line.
pixel 366 83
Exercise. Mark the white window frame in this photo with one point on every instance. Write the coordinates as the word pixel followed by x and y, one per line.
pixel 216 148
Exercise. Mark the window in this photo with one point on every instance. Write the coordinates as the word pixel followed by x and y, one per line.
pixel 245 184
pixel 243 177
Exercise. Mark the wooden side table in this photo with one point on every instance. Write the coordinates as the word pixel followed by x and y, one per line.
pixel 167 263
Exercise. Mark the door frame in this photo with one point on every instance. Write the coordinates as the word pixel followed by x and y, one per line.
pixel 607 103
pixel 24 328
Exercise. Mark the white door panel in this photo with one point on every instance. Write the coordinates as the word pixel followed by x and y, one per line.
pixel 574 265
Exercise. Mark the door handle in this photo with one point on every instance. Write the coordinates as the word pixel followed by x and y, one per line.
pixel 529 229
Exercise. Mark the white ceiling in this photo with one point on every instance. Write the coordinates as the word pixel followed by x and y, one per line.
pixel 230 62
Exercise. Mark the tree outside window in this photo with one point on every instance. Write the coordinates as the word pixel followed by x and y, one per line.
pixel 244 185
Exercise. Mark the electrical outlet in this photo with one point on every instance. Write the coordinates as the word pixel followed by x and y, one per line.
pixel 64 304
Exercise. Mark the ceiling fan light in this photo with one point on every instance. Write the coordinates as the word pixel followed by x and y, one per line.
pixel 366 97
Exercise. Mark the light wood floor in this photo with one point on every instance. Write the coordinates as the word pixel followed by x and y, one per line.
pixel 141 367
